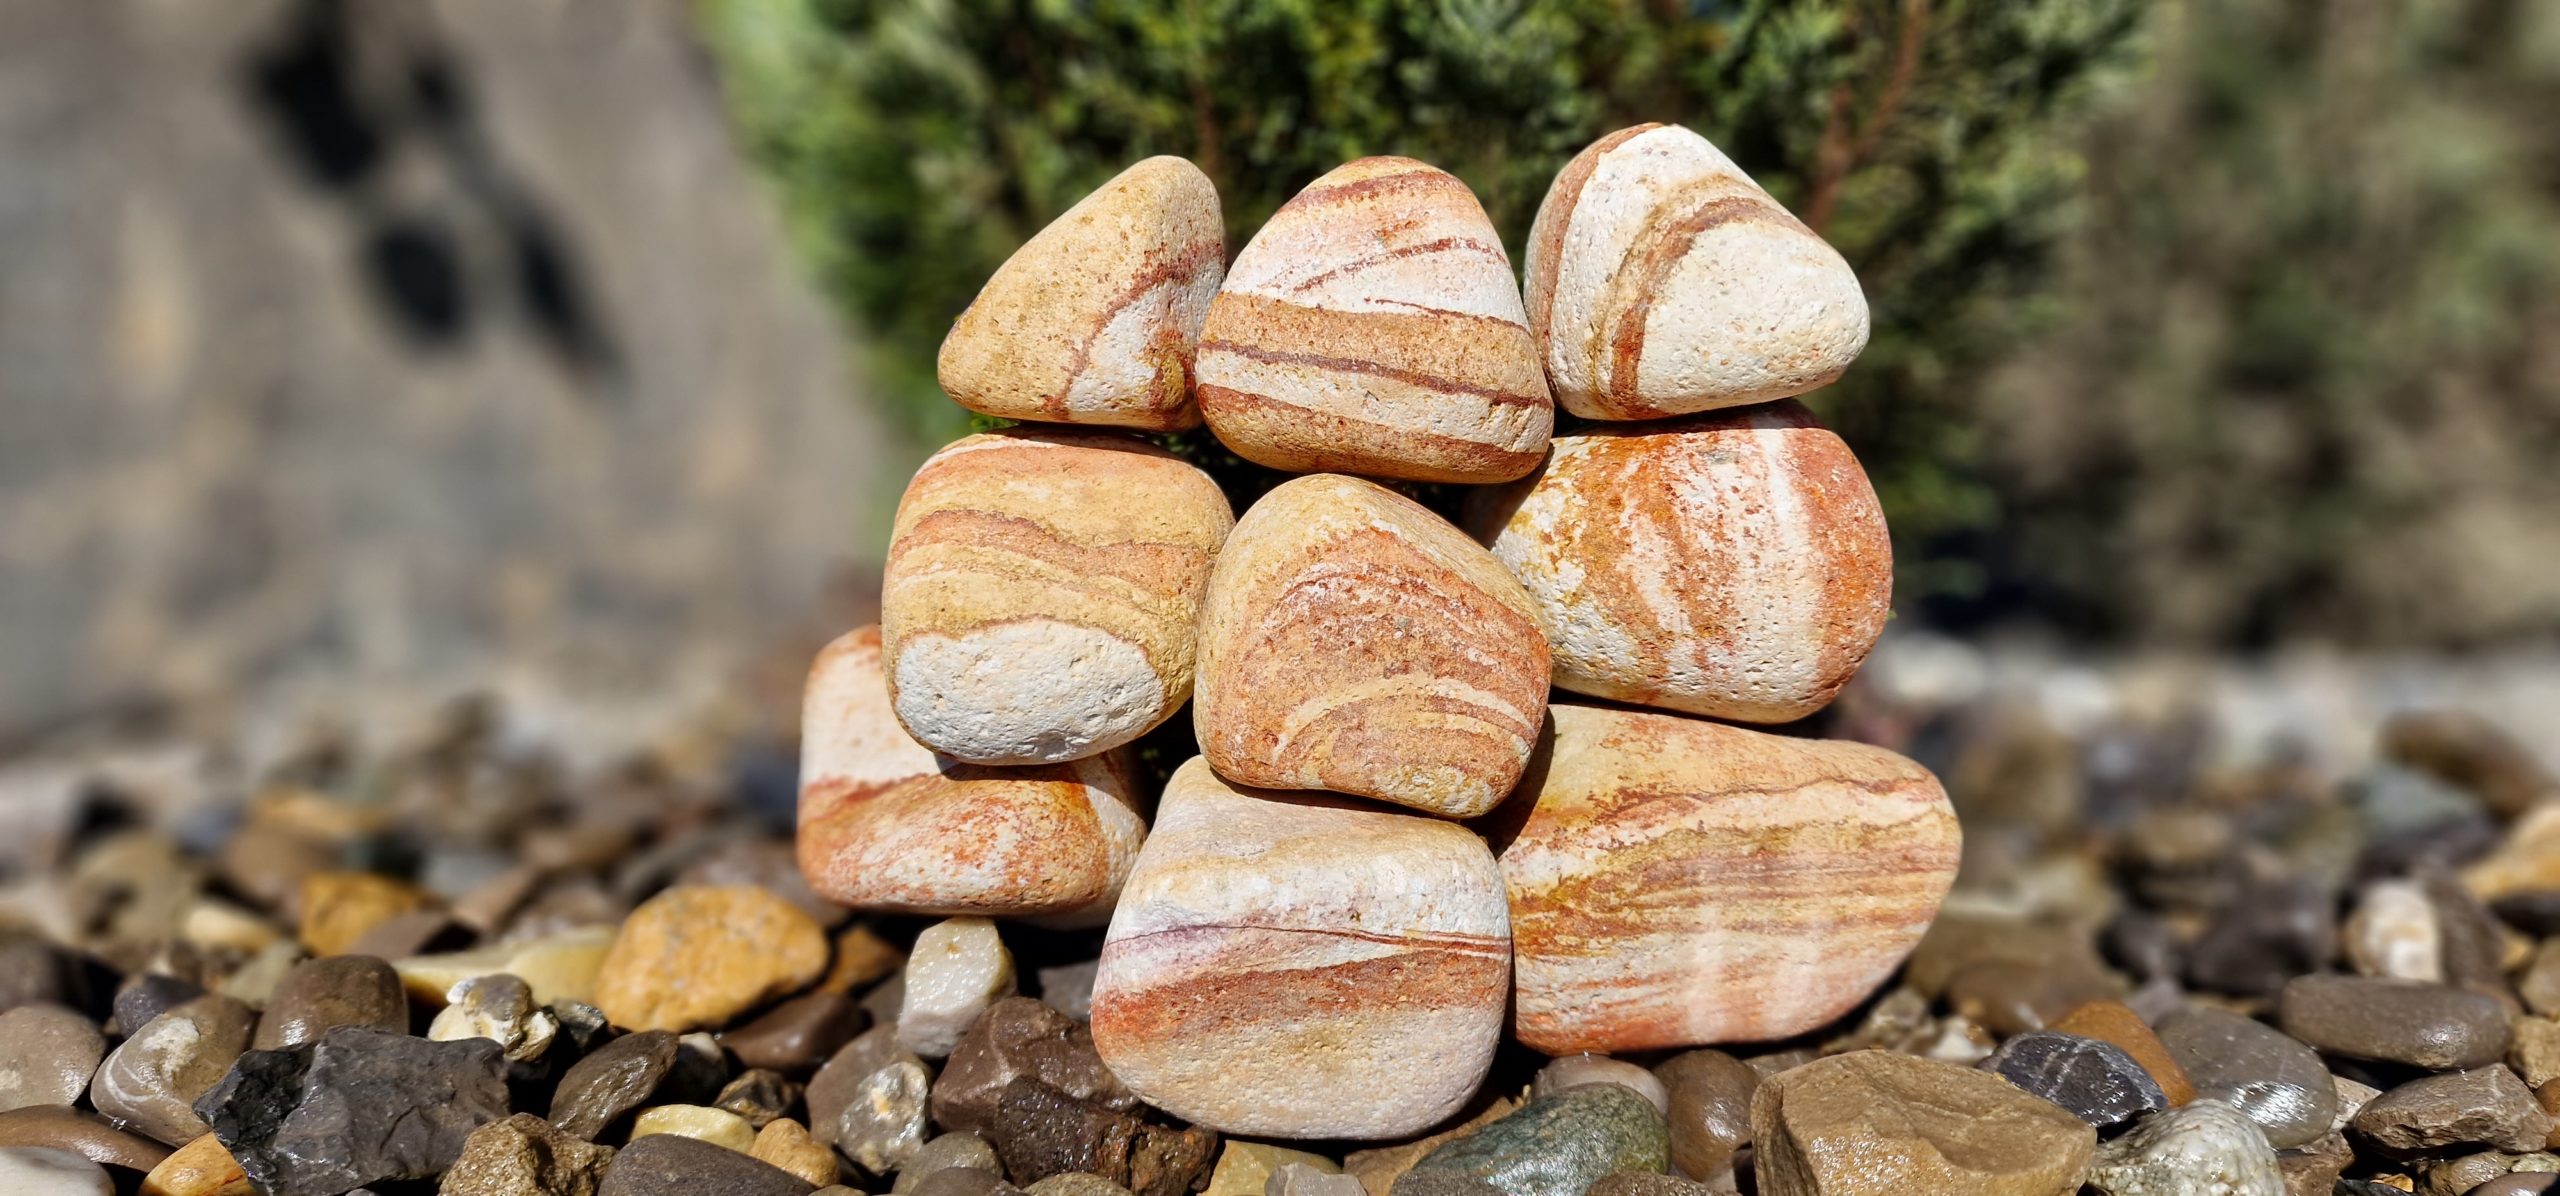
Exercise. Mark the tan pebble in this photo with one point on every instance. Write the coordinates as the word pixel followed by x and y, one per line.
pixel 1295 965
pixel 786 1144
pixel 886 824
pixel 862 959
pixel 1356 642
pixel 699 955
pixel 1662 281
pixel 2393 933
pixel 1041 593
pixel 221 925
pixel 339 907
pixel 718 1127
pixel 199 1168
pixel 557 967
pixel 2536 1053
pixel 1681 883
pixel 1373 327
pixel 1245 1167
pixel 1095 319
pixel 955 974
pixel 1874 1122
pixel 1732 565
pixel 2527 861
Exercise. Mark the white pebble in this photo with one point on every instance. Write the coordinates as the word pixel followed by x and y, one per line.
pixel 2200 1149
pixel 957 969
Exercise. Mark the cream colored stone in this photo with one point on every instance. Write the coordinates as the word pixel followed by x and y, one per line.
pixel 557 967
pixel 958 969
pixel 786 1144
pixel 718 1127
pixel 2393 933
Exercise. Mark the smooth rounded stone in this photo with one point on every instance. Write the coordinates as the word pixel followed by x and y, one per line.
pixel 146 995
pixel 1297 965
pixel 1559 1145
pixel 2278 1082
pixel 963 1149
pixel 2202 1149
pixel 1574 1071
pixel 886 824
pixel 558 967
pixel 1677 882
pixel 151 1083
pixel 320 995
pixel 61 1127
pixel 2113 1023
pixel 2485 1105
pixel 1373 326
pixel 833 1088
pixel 40 1171
pixel 1870 1123
pixel 2521 1183
pixel 2393 934
pixel 2094 1081
pixel 47 1054
pixel 339 907
pixel 1076 1183
pixel 1710 1109
pixel 1733 565
pixel 1245 1168
pixel 1096 318
pixel 1661 280
pixel 959 968
pixel 204 1168
pixel 797 1035
pixel 2536 1053
pixel 2468 750
pixel 787 1145
pixel 355 1107
pixel 2423 1025
pixel 1042 1132
pixel 499 1008
pixel 612 1080
pixel 1432 679
pixel 883 1125
pixel 697 956
pixel 1018 1036
pixel 719 1127
pixel 669 1165
pixel 758 1095
pixel 524 1156
pixel 1000 646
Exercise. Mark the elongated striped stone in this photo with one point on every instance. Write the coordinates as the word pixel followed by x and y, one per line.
pixel 1677 882
pixel 1733 564
pixel 1661 280
pixel 1298 966
pixel 1356 642
pixel 885 824
pixel 1042 591
pixel 1095 319
pixel 1373 327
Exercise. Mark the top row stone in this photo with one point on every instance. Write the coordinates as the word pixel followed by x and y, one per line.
pixel 1372 325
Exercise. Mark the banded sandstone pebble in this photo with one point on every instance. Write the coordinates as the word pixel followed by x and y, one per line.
pixel 1042 591
pixel 1298 966
pixel 1662 281
pixel 1734 564
pixel 1095 319
pixel 1373 327
pixel 886 824
pixel 1678 883
pixel 1354 641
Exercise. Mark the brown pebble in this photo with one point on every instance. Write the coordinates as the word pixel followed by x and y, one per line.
pixel 319 995
pixel 338 908
pixel 47 1054
pixel 787 1145
pixel 524 1155
pixel 418 932
pixel 834 1086
pixel 797 1035
pixel 2486 1105
pixel 1018 1036
pixel 611 1081
pixel 696 956
pixel 150 1084
pixel 2114 1023
pixel 80 1132
pixel 2313 1170
pixel 1871 1122
pixel 758 1095
pixel 2007 997
pixel 1710 1109
pixel 669 1165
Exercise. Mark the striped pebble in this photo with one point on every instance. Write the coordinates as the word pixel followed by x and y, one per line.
pixel 1677 882
pixel 1662 280
pixel 1733 565
pixel 1042 591
pixel 885 824
pixel 1373 327
pixel 1295 966
pixel 1356 642
pixel 1094 320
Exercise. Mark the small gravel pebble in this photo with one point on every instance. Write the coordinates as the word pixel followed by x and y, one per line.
pixel 47 1054
pixel 669 1165
pixel 2202 1149
pixel 320 995
pixel 1710 1109
pixel 949 1150
pixel 613 1080
pixel 699 955
pixel 523 1155
pixel 2278 1082
pixel 354 1107
pixel 200 1168
pixel 150 1084
pixel 719 1127
pixel 1559 1145
pixel 499 1008
pixel 2423 1025
pixel 2393 933
pixel 786 1144
pixel 2486 1105
pixel 797 1035
pixel 1875 1122
pixel 758 1095
pixel 1018 1036
pixel 958 969
pixel 82 1133
pixel 2094 1081
pixel 883 1125
pixel 1573 1071
pixel 1301 1179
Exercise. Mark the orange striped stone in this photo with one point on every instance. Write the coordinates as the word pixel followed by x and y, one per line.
pixel 1373 327
pixel 1733 564
pixel 885 824
pixel 1679 883
pixel 1095 319
pixel 1042 591
pixel 1661 280
pixel 1356 642
pixel 1301 966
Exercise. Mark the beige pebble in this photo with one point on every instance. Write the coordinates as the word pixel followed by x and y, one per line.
pixel 1095 319
pixel 339 907
pixel 1733 565
pixel 199 1168
pixel 1356 642
pixel 2393 933
pixel 786 1144
pixel 1682 883
pixel 1041 593
pixel 1662 281
pixel 151 1083
pixel 1300 966
pixel 1373 327
pixel 886 824
pixel 957 970
pixel 557 967
pixel 719 1127
pixel 697 956
pixel 1245 1168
